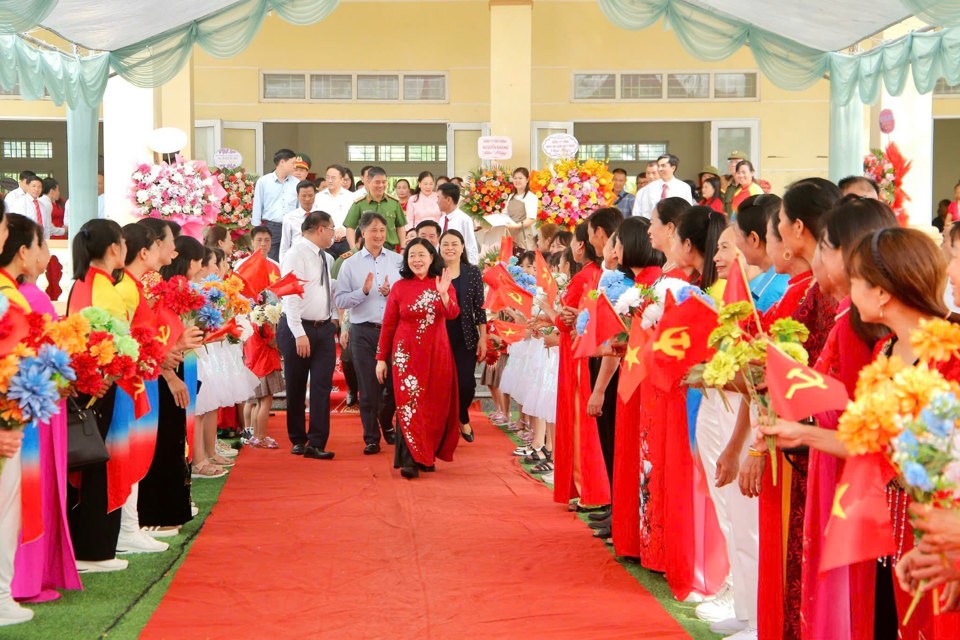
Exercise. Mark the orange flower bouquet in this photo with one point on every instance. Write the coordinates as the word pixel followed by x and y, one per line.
pixel 570 190
pixel 486 192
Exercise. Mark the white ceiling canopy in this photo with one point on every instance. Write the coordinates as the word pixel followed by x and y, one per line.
pixel 827 25
pixel 108 25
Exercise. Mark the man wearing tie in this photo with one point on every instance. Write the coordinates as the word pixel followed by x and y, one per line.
pixel 667 186
pixel 363 283
pixel 448 196
pixel 29 204
pixel 306 335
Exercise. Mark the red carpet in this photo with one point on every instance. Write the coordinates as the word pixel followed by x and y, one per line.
pixel 348 549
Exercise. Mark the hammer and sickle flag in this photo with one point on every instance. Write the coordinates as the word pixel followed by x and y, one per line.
pixel 859 528
pixel 680 340
pixel 797 391
pixel 169 327
pixel 136 389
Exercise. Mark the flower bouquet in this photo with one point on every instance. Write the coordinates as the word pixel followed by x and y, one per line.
pixel 570 190
pixel 236 208
pixel 887 168
pixel 486 192
pixel 184 192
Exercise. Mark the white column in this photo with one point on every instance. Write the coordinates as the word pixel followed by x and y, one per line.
pixel 913 133
pixel 128 119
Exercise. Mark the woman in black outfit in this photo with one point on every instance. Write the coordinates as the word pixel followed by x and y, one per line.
pixel 468 331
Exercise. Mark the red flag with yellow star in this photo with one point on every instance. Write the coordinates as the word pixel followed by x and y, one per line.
pixel 604 323
pixel 288 285
pixel 510 295
pixel 545 279
pixel 736 289
pixel 508 331
pixel 797 391
pixel 859 528
pixel 506 249
pixel 257 274
pixel 680 340
pixel 633 366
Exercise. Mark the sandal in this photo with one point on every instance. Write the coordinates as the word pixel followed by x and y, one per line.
pixel 543 467
pixel 536 456
pixel 267 443
pixel 523 451
pixel 207 470
pixel 220 461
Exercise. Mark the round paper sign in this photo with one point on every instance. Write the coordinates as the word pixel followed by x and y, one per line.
pixel 886 121
pixel 227 158
pixel 560 145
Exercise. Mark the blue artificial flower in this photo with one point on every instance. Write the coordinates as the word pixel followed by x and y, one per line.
pixel 916 476
pixel 937 426
pixel 4 305
pixel 214 294
pixel 513 261
pixel 582 319
pixel 210 317
pixel 212 278
pixel 614 284
pixel 945 405
pixel 907 442
pixel 689 291
pixel 33 388
pixel 57 361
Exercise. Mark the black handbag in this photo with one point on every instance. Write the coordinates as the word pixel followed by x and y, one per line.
pixel 85 446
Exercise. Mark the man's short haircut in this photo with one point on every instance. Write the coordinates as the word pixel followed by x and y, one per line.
pixel 364 169
pixel 430 223
pixel 33 178
pixel 672 159
pixel 26 174
pixel 303 184
pixel 315 219
pixel 852 180
pixel 368 218
pixel 49 184
pixel 281 155
pixel 621 171
pixel 373 172
pixel 341 170
pixel 606 218
pixel 451 190
pixel 260 229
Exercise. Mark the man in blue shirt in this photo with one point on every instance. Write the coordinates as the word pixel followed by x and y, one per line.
pixel 363 283
pixel 624 199
pixel 274 197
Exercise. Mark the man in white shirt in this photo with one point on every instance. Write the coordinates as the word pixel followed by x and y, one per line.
pixel 275 195
pixel 306 335
pixel 50 191
pixel 11 201
pixel 667 186
pixel 336 201
pixel 362 190
pixel 306 194
pixel 29 204
pixel 448 195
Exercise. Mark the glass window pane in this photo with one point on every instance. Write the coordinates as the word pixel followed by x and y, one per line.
pixel 942 88
pixel 734 85
pixel 15 149
pixel 641 86
pixel 379 87
pixel 331 87
pixel 594 86
pixel 422 153
pixel 651 150
pixel 688 86
pixel 391 153
pixel 731 139
pixel 41 149
pixel 592 152
pixel 361 153
pixel 622 152
pixel 424 87
pixel 279 86
pixel 441 153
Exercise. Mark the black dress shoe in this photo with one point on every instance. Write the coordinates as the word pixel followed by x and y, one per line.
pixel 371 449
pixel 390 436
pixel 466 436
pixel 424 467
pixel 297 449
pixel 409 472
pixel 317 454
pixel 599 515
pixel 600 524
pixel 602 533
pixel 351 398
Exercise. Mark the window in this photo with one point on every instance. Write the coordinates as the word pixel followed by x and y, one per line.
pixel 942 88
pixel 379 87
pixel 392 153
pixel 595 86
pixel 641 86
pixel 422 153
pixel 42 149
pixel 284 86
pixel 651 150
pixel 688 86
pixel 734 85
pixel 622 152
pixel 331 87
pixel 361 153
pixel 424 87
pixel 15 149
pixel 592 152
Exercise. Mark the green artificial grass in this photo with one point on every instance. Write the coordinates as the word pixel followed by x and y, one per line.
pixel 118 605
pixel 653 582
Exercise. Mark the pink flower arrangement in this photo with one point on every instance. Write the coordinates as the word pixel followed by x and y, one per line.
pixel 570 190
pixel 184 192
pixel 236 208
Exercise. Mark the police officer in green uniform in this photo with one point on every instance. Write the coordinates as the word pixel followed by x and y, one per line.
pixel 377 199
pixel 732 160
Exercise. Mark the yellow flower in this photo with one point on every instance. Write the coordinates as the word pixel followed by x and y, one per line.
pixel 878 372
pixel 8 368
pixel 914 386
pixel 70 333
pixel 721 369
pixel 869 424
pixel 936 340
pixel 795 351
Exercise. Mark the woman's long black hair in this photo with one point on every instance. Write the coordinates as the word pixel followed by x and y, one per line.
pixel 436 266
pixel 92 242
pixel 188 250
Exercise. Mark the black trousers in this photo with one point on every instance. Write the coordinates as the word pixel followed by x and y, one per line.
pixel 377 405
pixel 349 371
pixel 319 368
pixel 607 422
pixel 93 530
pixel 466 362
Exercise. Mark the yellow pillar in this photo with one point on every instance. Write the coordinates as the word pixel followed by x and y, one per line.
pixel 173 105
pixel 511 59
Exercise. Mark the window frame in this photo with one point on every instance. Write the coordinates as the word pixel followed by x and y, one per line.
pixel 440 151
pixel 353 73
pixel 664 74
pixel 949 95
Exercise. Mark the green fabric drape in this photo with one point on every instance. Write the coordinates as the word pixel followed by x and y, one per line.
pixel 944 13
pixel 847 143
pixel 71 79
pixel 22 15
pixel 155 61
pixel 82 156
